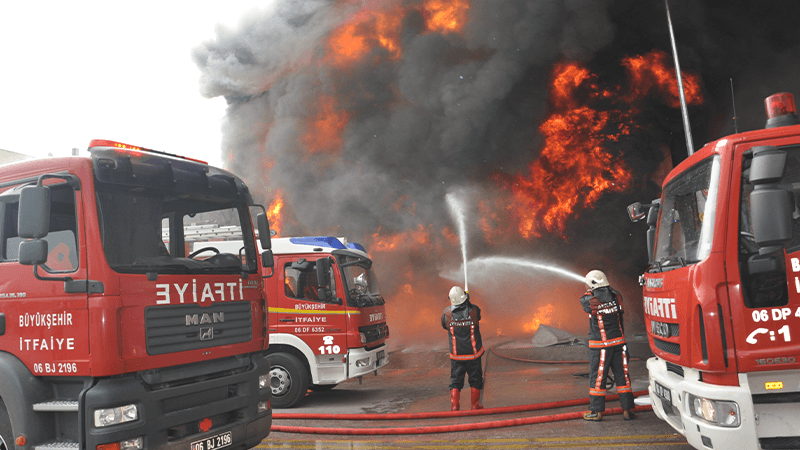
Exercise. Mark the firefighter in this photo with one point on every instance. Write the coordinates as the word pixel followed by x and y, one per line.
pixel 460 319
pixel 608 349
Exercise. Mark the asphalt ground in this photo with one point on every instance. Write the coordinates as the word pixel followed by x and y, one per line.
pixel 417 382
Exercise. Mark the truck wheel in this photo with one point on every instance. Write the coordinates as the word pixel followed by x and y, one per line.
pixel 6 435
pixel 289 380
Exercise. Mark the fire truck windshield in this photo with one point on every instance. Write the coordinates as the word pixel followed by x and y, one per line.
pixel 686 224
pixel 361 284
pixel 154 230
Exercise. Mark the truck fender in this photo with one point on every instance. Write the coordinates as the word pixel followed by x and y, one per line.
pixel 291 340
pixel 20 390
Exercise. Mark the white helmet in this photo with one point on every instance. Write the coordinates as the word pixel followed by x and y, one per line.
pixel 596 279
pixel 457 296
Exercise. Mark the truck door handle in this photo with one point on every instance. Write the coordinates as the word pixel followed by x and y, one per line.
pixel 288 319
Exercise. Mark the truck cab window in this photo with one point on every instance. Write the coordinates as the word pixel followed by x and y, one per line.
pixel 361 284
pixel 61 239
pixel 301 284
pixel 300 280
pixel 686 225
pixel 159 231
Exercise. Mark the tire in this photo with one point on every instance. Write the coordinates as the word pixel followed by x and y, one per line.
pixel 289 380
pixel 322 387
pixel 6 434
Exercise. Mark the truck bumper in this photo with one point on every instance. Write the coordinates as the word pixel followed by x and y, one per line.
pixel 763 419
pixel 361 362
pixel 186 404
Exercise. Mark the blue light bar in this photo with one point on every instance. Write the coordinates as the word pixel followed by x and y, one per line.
pixel 356 246
pixel 320 241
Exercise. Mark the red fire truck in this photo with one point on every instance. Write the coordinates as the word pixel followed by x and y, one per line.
pixel 326 314
pixel 722 291
pixel 112 338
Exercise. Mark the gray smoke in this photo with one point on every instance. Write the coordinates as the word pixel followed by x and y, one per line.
pixel 438 117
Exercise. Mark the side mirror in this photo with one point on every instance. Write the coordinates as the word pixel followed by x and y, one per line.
pixel 636 212
pixel 33 252
pixel 771 216
pixel 262 222
pixel 652 221
pixel 267 259
pixel 768 165
pixel 34 212
pixel 323 272
pixel 771 206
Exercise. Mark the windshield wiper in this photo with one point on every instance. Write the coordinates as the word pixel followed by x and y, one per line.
pixel 672 260
pixel 657 265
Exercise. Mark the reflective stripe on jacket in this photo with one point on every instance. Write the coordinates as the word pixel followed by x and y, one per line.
pixel 463 329
pixel 606 327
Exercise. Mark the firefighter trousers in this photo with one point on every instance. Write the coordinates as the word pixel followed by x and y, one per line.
pixel 602 360
pixel 472 368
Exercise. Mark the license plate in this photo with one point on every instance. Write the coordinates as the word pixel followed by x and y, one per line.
pixel 221 440
pixel 663 393
pixel 379 357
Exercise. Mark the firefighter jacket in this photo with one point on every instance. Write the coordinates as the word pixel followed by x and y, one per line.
pixel 461 323
pixel 604 306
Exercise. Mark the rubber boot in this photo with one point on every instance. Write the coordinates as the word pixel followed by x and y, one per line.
pixel 593 416
pixel 455 397
pixel 476 398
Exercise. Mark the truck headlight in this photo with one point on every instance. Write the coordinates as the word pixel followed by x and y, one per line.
pixel 263 381
pixel 114 416
pixel 363 338
pixel 715 412
pixel 363 362
pixel 132 444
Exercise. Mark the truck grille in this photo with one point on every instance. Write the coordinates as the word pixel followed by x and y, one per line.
pixel 783 397
pixel 784 442
pixel 178 328
pixel 674 368
pixel 375 332
pixel 668 347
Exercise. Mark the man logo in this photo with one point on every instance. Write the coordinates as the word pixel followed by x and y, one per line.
pixel 206 334
pixel 197 319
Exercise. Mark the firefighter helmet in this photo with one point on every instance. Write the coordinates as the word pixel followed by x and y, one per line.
pixel 596 279
pixel 361 283
pixel 457 296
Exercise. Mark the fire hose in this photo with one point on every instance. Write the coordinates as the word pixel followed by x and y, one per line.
pixel 447 428
pixel 440 414
pixel 449 414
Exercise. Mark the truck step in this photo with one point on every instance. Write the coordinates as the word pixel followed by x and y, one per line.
pixel 57 406
pixel 57 445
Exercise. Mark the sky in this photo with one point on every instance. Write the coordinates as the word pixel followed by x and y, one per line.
pixel 82 70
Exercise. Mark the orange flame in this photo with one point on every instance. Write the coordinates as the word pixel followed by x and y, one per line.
pixel 324 131
pixel 364 31
pixel 543 316
pixel 445 16
pixel 574 169
pixel 652 71
pixel 410 238
pixel 274 213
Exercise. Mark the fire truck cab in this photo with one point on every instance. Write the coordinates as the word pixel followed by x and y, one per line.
pixel 327 316
pixel 112 337
pixel 327 319
pixel 722 292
